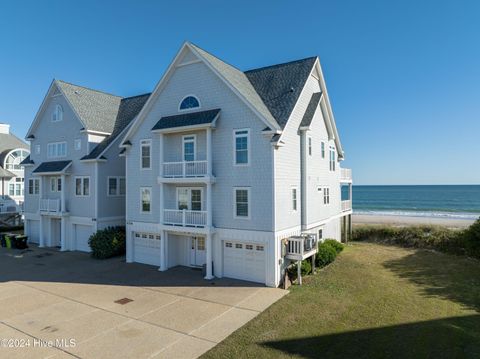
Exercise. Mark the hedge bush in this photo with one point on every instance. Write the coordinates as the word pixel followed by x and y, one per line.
pixel 108 242
pixel 454 241
pixel 326 254
pixel 306 268
pixel 334 244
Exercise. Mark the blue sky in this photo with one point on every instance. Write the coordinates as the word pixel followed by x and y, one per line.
pixel 403 76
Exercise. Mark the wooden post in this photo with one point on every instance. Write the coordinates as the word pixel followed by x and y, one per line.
pixel 299 272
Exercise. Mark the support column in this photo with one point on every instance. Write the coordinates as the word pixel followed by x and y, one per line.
pixel 63 225
pixel 129 244
pixel 63 208
pixel 41 242
pixel 209 256
pixel 160 174
pixel 209 153
pixel 350 229
pixel 299 272
pixel 163 257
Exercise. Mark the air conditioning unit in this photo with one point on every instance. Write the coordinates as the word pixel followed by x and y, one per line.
pixel 309 242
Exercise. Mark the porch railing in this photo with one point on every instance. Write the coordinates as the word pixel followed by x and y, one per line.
pixel 50 205
pixel 185 169
pixel 185 218
pixel 345 174
pixel 346 205
pixel 301 247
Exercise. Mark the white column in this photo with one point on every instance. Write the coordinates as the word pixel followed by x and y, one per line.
pixel 160 173
pixel 163 257
pixel 63 208
pixel 209 206
pixel 42 238
pixel 129 245
pixel 209 256
pixel 63 244
pixel 209 152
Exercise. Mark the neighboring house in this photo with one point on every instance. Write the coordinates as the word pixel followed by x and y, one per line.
pixel 12 152
pixel 226 168
pixel 75 177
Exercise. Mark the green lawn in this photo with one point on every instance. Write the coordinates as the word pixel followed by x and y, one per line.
pixel 374 301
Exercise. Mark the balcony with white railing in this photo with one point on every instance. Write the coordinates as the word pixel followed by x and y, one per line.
pixel 50 206
pixel 346 205
pixel 301 247
pixel 185 169
pixel 184 218
pixel 345 174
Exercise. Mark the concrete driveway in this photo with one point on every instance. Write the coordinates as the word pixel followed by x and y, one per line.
pixel 64 305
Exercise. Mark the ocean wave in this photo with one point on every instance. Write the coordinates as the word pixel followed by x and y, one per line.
pixel 452 215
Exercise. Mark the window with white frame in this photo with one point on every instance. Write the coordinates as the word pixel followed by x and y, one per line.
pixel 332 159
pixel 309 146
pixel 242 144
pixel 145 199
pixel 294 199
pixel 37 149
pixel 189 148
pixel 57 149
pixel 57 114
pixel 189 198
pixel 82 186
pixel 55 184
pixel 78 144
pixel 188 103
pixel 34 186
pixel 146 154
pixel 116 186
pixel 242 202
pixel 323 149
pixel 14 158
pixel 326 195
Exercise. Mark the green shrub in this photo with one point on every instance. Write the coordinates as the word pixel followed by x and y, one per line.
pixel 334 244
pixel 428 237
pixel 108 242
pixel 326 254
pixel 306 269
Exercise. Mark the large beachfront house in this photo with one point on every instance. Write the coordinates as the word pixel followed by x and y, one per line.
pixel 231 170
pixel 75 177
pixel 12 152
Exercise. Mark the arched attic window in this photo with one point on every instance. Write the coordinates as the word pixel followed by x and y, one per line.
pixel 188 103
pixel 57 114
pixel 12 161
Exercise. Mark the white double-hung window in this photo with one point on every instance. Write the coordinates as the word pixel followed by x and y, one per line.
pixel 189 148
pixel 326 195
pixel 34 186
pixel 57 149
pixel 145 199
pixel 55 184
pixel 82 186
pixel 242 202
pixel 332 159
pixel 242 147
pixel 145 154
pixel 116 186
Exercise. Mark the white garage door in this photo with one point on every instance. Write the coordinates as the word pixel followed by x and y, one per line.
pixel 244 261
pixel 82 234
pixel 33 231
pixel 146 248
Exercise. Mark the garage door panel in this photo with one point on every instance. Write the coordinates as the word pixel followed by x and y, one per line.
pixel 82 235
pixel 146 248
pixel 34 231
pixel 244 261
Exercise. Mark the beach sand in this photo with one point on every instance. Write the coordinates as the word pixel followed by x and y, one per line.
pixel 359 219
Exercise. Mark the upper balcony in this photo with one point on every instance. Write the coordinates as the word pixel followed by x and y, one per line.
pixel 185 169
pixel 346 175
pixel 52 207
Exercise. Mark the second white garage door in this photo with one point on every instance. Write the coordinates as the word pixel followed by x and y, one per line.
pixel 82 234
pixel 244 261
pixel 33 231
pixel 146 248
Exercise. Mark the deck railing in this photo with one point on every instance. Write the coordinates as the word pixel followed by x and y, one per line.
pixel 185 169
pixel 346 205
pixel 185 218
pixel 301 247
pixel 50 205
pixel 345 174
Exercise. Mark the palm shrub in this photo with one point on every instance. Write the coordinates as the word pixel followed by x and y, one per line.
pixel 326 254
pixel 108 242
pixel 334 244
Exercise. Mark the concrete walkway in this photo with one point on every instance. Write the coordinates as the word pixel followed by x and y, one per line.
pixel 64 305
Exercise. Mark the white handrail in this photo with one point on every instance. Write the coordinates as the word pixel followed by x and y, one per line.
pixel 346 173
pixel 184 217
pixel 185 169
pixel 50 205
pixel 346 205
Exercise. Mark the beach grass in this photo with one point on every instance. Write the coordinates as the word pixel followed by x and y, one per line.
pixel 374 301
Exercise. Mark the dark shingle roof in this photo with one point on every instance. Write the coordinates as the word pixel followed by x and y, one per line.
pixel 279 86
pixel 27 161
pixel 187 119
pixel 53 166
pixel 311 108
pixel 128 110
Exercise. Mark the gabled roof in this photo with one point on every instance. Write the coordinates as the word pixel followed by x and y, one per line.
pixel 97 110
pixel 52 167
pixel 27 161
pixel 279 86
pixel 8 142
pixel 311 108
pixel 187 119
pixel 128 109
pixel 6 174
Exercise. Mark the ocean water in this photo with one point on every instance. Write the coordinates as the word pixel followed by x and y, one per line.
pixel 462 201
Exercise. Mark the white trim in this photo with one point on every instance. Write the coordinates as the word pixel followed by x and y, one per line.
pixel 117 184
pixel 189 63
pixel 235 146
pixel 33 192
pixel 57 114
pixel 82 180
pixel 249 200
pixel 194 147
pixel 141 200
pixel 186 128
pixel 56 145
pixel 145 143
pixel 202 206
pixel 190 108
